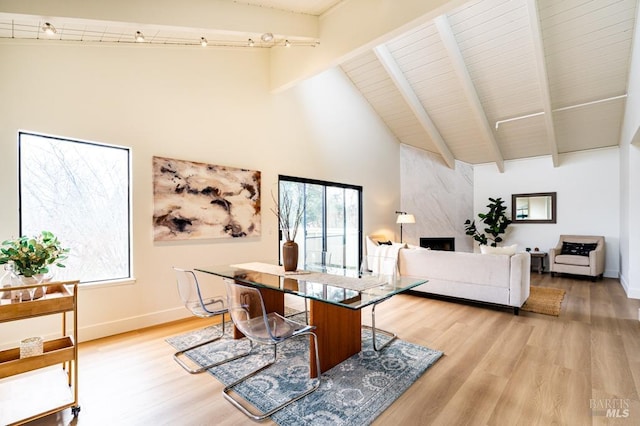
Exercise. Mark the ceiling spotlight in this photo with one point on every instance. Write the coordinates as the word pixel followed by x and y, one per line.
pixel 139 37
pixel 250 43
pixel 203 42
pixel 287 43
pixel 266 37
pixel 49 29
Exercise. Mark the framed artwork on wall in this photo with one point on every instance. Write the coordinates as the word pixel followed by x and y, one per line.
pixel 194 200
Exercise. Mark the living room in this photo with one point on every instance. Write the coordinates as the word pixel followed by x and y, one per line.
pixel 217 106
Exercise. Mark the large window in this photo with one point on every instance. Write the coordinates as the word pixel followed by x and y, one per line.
pixel 79 191
pixel 332 220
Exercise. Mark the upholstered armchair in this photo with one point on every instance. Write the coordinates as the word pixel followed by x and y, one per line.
pixel 578 255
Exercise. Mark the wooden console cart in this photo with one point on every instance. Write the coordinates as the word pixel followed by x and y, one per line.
pixel 61 298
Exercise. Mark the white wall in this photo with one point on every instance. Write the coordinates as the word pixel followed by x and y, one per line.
pixel 588 198
pixel 630 178
pixel 209 105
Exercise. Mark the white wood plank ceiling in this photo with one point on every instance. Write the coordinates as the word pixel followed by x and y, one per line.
pixel 489 81
pixel 507 79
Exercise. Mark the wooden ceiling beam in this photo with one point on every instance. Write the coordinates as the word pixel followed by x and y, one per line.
pixel 453 51
pixel 412 100
pixel 541 65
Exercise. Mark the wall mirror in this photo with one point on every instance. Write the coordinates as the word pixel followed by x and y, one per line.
pixel 538 207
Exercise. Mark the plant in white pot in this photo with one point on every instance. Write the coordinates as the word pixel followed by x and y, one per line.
pixel 495 222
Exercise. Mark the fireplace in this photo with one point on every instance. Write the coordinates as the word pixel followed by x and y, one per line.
pixel 439 243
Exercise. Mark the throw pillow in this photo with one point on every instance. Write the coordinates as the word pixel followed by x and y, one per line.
pixel 577 249
pixel 509 250
pixel 388 243
pixel 371 245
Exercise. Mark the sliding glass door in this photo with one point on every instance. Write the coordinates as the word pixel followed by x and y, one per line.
pixel 331 226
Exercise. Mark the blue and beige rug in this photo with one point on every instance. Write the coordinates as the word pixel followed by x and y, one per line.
pixel 354 392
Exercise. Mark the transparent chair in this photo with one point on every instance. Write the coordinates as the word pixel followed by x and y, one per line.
pixel 248 313
pixel 191 296
pixel 386 270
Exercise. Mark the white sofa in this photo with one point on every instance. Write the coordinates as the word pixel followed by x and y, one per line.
pixel 491 278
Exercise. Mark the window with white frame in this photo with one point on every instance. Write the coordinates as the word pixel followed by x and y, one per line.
pixel 80 191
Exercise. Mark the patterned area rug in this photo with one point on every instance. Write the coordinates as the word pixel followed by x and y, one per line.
pixel 544 300
pixel 354 392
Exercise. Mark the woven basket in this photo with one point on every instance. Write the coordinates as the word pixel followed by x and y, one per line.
pixel 31 346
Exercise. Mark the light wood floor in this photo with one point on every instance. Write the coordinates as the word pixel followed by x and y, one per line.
pixel 498 369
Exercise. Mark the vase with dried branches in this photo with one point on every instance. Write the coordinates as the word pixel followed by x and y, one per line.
pixel 289 212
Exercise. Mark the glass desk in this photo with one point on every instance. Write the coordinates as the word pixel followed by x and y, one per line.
pixel 335 300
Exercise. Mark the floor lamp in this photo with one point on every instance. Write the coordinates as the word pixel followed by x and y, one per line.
pixel 404 217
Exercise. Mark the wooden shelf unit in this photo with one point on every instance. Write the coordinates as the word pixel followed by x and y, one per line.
pixel 60 298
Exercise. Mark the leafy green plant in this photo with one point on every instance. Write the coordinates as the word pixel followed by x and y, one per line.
pixel 495 220
pixel 33 255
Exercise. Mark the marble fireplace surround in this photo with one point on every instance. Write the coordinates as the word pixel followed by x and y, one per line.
pixel 439 197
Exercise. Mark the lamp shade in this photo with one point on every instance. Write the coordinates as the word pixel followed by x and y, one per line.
pixel 406 218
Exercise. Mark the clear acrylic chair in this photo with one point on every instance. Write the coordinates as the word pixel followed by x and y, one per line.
pixel 248 313
pixel 191 295
pixel 386 270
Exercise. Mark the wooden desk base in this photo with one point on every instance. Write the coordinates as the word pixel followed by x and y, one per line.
pixel 339 332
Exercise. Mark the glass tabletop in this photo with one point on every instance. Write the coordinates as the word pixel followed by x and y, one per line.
pixel 338 286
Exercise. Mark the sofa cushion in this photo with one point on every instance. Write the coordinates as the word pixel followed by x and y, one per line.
pixel 471 268
pixel 572 259
pixel 577 249
pixel 510 250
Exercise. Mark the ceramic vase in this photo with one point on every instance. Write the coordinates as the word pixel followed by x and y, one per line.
pixel 290 256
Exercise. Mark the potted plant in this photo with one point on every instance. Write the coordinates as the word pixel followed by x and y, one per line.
pixel 289 213
pixel 495 220
pixel 32 256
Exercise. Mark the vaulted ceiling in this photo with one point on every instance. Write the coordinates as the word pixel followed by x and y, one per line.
pixel 496 80
pixel 486 81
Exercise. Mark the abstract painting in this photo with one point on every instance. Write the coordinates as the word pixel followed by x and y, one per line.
pixel 198 200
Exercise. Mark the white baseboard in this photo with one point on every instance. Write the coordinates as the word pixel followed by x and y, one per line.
pixel 632 293
pixel 109 328
pixel 611 273
pixel 12 335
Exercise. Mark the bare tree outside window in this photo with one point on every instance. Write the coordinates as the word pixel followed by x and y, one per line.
pixel 80 191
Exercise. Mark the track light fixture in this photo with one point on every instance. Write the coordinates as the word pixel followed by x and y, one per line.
pixel 265 40
pixel 49 29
